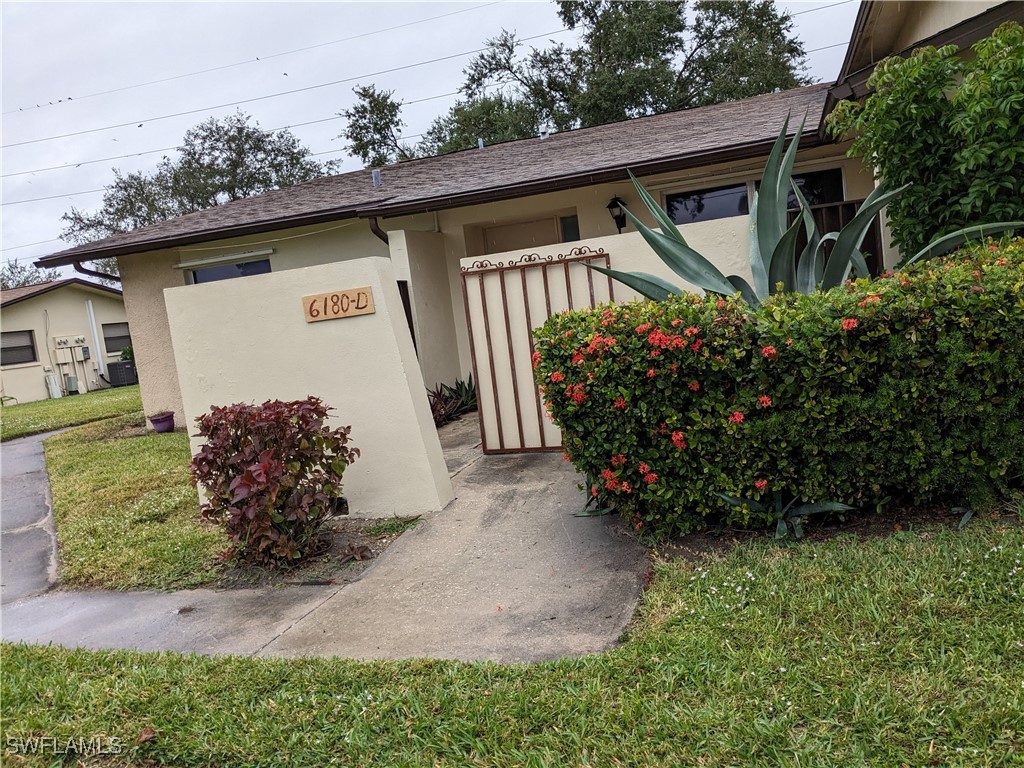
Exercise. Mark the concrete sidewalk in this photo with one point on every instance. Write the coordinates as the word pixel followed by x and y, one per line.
pixel 505 572
pixel 28 544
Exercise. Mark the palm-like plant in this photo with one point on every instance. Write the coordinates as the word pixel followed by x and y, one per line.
pixel 775 264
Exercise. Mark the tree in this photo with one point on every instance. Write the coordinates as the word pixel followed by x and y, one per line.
pixel 951 127
pixel 219 161
pixel 374 127
pixel 642 58
pixel 635 59
pixel 491 118
pixel 15 275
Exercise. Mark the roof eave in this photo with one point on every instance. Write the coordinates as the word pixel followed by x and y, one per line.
pixel 808 139
pixel 65 258
pixel 74 281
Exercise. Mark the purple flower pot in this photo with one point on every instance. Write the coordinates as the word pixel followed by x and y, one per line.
pixel 162 422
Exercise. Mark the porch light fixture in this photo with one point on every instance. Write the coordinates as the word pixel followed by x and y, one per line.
pixel 617 214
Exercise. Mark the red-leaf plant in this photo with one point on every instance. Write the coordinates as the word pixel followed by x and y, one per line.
pixel 271 474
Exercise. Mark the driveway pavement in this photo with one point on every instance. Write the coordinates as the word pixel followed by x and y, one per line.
pixel 505 572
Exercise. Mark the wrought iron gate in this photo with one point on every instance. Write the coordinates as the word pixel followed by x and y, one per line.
pixel 504 302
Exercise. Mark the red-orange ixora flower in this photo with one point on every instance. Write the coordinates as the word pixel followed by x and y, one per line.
pixel 849 323
pixel 618 460
pixel 764 401
pixel 868 300
pixel 620 402
pixel 536 359
pixel 644 469
pixel 650 478
pixel 769 352
pixel 679 440
pixel 692 330
pixel 694 385
pixel 736 417
pixel 557 376
pixel 577 357
pixel 760 484
pixel 651 373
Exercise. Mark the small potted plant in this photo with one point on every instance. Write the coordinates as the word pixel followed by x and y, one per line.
pixel 163 421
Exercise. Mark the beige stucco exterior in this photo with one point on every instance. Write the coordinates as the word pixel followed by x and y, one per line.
pixel 58 313
pixel 364 367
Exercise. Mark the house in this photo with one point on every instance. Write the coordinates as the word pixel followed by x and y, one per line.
pixel 59 337
pixel 439 220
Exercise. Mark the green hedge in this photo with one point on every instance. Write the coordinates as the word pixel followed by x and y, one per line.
pixel 908 387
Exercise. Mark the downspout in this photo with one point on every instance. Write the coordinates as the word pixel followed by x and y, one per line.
pixel 92 273
pixel 380 233
pixel 100 367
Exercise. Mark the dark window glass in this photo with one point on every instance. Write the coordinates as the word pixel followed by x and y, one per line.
pixel 819 188
pixel 707 204
pixel 570 228
pixel 228 271
pixel 17 347
pixel 116 337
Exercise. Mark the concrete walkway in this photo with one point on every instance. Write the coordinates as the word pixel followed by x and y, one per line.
pixel 28 545
pixel 505 572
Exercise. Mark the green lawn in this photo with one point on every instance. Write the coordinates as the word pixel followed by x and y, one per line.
pixel 127 515
pixel 902 650
pixel 43 415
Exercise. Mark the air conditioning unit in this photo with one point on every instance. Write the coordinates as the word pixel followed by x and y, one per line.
pixel 122 373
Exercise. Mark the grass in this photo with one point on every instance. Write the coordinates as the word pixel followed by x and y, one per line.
pixel 27 419
pixel 391 526
pixel 126 513
pixel 891 651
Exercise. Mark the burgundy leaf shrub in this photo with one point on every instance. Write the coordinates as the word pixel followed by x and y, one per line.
pixel 271 473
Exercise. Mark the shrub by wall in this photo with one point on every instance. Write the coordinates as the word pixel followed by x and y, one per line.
pixel 908 387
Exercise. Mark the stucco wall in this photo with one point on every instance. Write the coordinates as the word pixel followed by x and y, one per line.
pixel 59 313
pixel 364 367
pixel 421 254
pixel 919 20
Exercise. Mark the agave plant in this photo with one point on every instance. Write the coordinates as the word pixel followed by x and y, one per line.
pixel 775 264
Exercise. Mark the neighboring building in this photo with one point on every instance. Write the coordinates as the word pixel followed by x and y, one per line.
pixel 69 329
pixel 433 217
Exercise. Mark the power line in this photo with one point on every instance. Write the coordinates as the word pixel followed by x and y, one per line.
pixel 826 47
pixel 28 245
pixel 335 116
pixel 140 122
pixel 254 60
pixel 54 197
pixel 821 8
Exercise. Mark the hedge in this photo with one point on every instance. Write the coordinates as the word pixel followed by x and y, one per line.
pixel 909 387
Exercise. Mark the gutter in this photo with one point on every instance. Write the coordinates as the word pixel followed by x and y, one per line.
pixel 77 265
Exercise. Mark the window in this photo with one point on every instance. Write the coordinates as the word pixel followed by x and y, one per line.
pixel 818 188
pixel 17 347
pixel 217 272
pixel 116 337
pixel 570 228
pixel 707 204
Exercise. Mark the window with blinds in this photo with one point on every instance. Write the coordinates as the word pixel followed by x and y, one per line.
pixel 17 347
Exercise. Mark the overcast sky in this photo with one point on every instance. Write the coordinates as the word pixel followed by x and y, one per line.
pixel 156 69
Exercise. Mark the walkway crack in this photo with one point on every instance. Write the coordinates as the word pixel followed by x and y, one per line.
pixel 291 626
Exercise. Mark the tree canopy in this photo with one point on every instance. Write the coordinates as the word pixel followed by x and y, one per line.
pixel 15 275
pixel 219 160
pixel 633 59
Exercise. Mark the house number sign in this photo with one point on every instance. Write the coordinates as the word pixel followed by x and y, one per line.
pixel 337 304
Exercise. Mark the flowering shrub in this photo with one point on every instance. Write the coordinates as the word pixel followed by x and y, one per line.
pixel 910 386
pixel 271 473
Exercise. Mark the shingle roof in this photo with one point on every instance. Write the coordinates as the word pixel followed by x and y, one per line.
pixel 530 166
pixel 14 295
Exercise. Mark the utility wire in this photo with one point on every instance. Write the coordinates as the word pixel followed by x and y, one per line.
pixel 336 116
pixel 820 8
pixel 140 122
pixel 253 60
